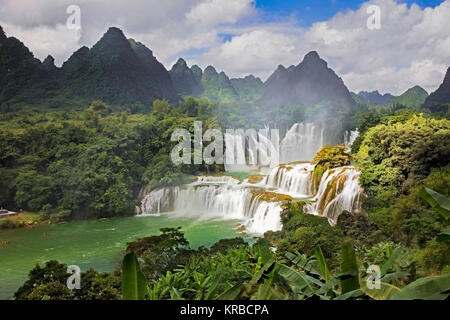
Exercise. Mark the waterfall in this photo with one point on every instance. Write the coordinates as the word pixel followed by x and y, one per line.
pixel 220 201
pixel 338 190
pixel 225 197
pixel 155 202
pixel 350 137
pixel 216 180
pixel 301 143
pixel 249 152
pixel 264 216
pixel 293 179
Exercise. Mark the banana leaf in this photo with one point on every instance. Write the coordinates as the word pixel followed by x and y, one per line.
pixel 394 257
pixel 300 282
pixel 444 236
pixel 349 270
pixel 233 293
pixel 322 264
pixel 429 288
pixel 438 201
pixel 352 294
pixel 384 292
pixel 134 283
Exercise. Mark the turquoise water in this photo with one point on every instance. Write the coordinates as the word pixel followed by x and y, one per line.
pixel 96 244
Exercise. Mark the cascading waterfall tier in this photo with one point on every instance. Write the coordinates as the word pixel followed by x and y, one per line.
pixel 206 200
pixel 301 143
pixel 338 191
pixel 155 202
pixel 293 179
pixel 259 205
pixel 350 137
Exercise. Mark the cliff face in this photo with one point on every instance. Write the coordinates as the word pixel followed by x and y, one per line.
pixel 186 81
pixel 440 99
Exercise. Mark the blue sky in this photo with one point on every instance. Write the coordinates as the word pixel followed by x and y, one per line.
pixel 309 11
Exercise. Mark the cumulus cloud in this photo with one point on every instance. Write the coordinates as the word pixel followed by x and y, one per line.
pixel 412 47
pixel 213 12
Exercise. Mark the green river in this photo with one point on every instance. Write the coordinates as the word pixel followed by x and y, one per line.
pixel 97 244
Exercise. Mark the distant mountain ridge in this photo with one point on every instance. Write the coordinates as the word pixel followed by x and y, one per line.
pixel 122 71
pixel 310 82
pixel 412 98
pixel 116 70
pixel 376 97
pixel 198 83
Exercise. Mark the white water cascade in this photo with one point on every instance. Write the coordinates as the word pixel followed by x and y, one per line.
pixel 338 190
pixel 301 143
pixel 350 137
pixel 226 198
pixel 292 179
pixel 155 202
pixel 215 201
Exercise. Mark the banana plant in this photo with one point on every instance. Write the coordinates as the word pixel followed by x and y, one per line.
pixel 441 204
pixel 348 276
pixel 134 283
pixel 428 288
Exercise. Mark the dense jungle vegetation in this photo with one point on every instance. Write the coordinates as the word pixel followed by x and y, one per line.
pixel 403 228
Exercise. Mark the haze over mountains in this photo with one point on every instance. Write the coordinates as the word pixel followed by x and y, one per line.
pixel 122 71
pixel 376 97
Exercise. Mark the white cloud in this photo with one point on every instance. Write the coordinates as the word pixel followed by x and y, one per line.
pixel 412 47
pixel 256 51
pixel 214 12
pixel 43 40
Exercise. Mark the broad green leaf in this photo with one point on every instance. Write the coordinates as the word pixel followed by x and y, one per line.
pixel 347 275
pixel 444 236
pixel 330 285
pixel 438 201
pixel 429 288
pixel 349 267
pixel 394 256
pixel 302 262
pixel 322 263
pixel 264 268
pixel 352 294
pixel 264 250
pixel 233 293
pixel 384 292
pixel 394 276
pixel 299 281
pixel 134 283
